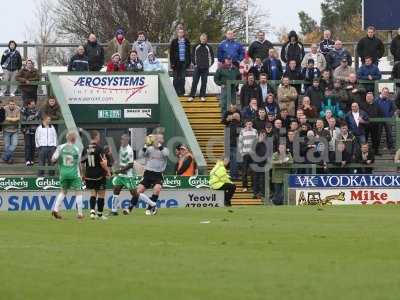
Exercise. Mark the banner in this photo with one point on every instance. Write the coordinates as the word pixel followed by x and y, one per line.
pixel 44 200
pixel 344 189
pixel 110 89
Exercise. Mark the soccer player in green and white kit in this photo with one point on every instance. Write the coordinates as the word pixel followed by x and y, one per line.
pixel 69 159
pixel 125 177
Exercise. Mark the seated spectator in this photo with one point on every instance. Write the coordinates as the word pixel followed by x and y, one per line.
pixel 287 96
pixel 294 126
pixel 310 111
pixel 328 115
pixel 336 55
pixel 10 131
pixel 142 46
pixel 250 111
pixel 271 107
pixel 116 64
pixel 293 49
pixel 387 107
pixel 334 133
pixel 273 66
pixel 232 121
pixel 119 44
pixel 29 113
pixel 303 120
pixel 310 73
pixel 245 66
pixel 317 57
pixel 316 94
pixel 220 180
pixel 365 157
pixel 79 62
pixel 373 128
pixel 46 143
pixel 257 68
pixel 326 81
pixel 95 53
pixel 293 72
pixel 355 91
pixel 332 104
pixel 281 161
pixel 134 64
pixel 285 117
pixel 186 165
pixel 260 47
pixel 357 119
pixel 369 71
pixel 152 64
pixel 341 95
pixel 327 44
pixel 11 62
pixel 261 120
pixel 265 87
pixel 28 74
pixel 321 132
pixel 247 139
pixel 343 71
pixel 271 118
pixel 249 91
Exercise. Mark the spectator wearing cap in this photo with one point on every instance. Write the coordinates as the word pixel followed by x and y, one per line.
pixel 26 76
pixel 370 46
pixel 11 62
pixel 226 72
pixel 202 60
pixel 95 53
pixel 152 64
pixel 387 107
pixel 230 48
pixel 316 94
pixel 247 140
pixel 343 70
pixel 179 58
pixel 335 56
pixel 272 65
pixel 287 96
pixel 249 91
pixel 260 47
pixel 119 44
pixel 115 64
pixel 134 64
pixel 327 44
pixel 372 129
pixel 369 71
pixel 317 57
pixel 79 62
pixel 310 72
pixel 142 46
pixel 293 49
pixel 186 165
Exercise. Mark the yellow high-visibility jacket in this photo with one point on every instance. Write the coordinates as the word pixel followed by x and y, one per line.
pixel 219 176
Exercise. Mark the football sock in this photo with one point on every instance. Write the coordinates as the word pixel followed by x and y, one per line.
pixel 154 199
pixel 115 203
pixel 59 199
pixel 92 203
pixel 146 199
pixel 79 203
pixel 100 206
pixel 134 202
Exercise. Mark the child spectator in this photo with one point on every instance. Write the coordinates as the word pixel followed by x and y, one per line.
pixel 134 64
pixel 152 64
pixel 115 65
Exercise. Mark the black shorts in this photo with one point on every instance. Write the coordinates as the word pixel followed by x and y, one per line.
pixel 150 179
pixel 96 184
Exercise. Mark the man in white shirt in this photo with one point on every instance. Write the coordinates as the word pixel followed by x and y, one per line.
pixel 46 143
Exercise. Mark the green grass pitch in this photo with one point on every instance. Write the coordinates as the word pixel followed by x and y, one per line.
pixel 242 253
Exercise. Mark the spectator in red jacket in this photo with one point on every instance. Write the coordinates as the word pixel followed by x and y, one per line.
pixel 115 65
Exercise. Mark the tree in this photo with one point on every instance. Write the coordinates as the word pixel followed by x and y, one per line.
pixel 336 14
pixel 307 24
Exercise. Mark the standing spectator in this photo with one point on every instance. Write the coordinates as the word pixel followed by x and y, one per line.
pixel 395 47
pixel 28 74
pixel 281 161
pixel 152 64
pixel 257 68
pixel 232 121
pixel 336 55
pixel 369 71
pixel 115 64
pixel 326 81
pixel 310 73
pixel 287 96
pixel 263 151
pixel 118 45
pixel 293 49
pixel 95 53
pixel 357 119
pixel 202 59
pixel 273 66
pixel 341 95
pixel 316 94
pixel 372 129
pixel 260 47
pixel 230 48
pixel 11 62
pixel 179 58
pixel 265 87
pixel 79 62
pixel 334 133
pixel 365 157
pixel 247 140
pixel 293 72
pixel 387 107
pixel 327 43
pixel 249 91
pixel 142 46
pixel 51 109
pixel 46 143
pixel 220 180
pixel 355 90
pixel 370 46
pixel 343 71
pixel 29 113
pixel 318 58
pixel 10 131
pixel 224 73
pixel 134 64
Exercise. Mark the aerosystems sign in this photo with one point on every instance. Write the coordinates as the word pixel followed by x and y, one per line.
pixel 344 189
pixel 112 98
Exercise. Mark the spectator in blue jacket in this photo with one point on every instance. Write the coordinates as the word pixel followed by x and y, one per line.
pixel 249 112
pixel 387 107
pixel 369 71
pixel 273 66
pixel 230 48
pixel 79 62
pixel 152 64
